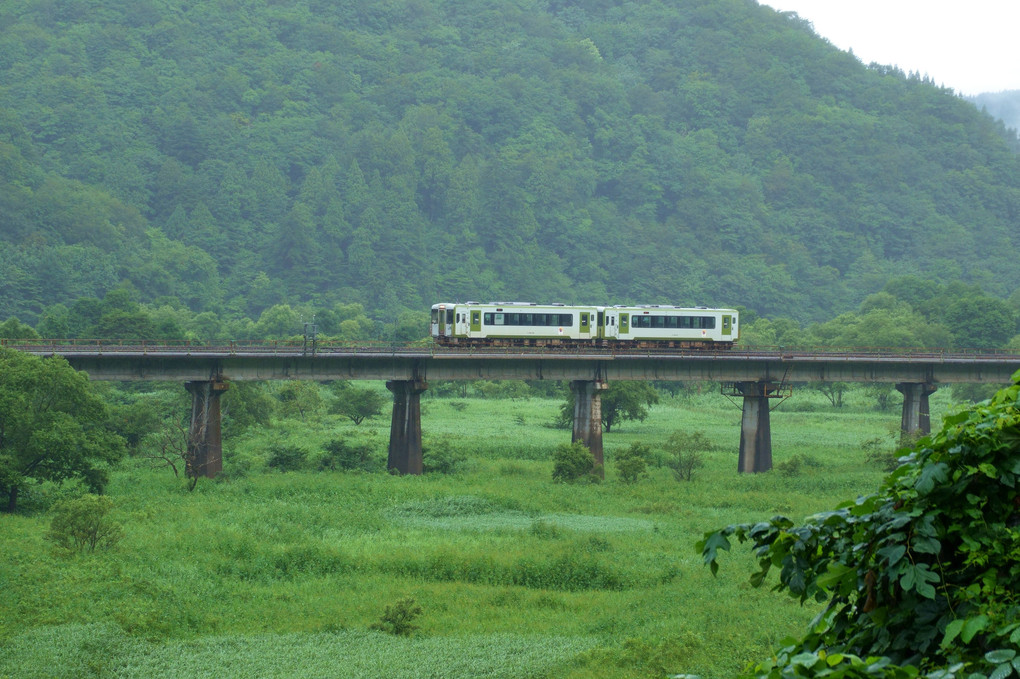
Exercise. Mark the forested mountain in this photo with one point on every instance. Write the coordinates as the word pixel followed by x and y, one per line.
pixel 236 154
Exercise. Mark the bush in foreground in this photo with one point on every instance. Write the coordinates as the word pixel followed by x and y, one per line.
pixel 632 462
pixel 921 578
pixel 83 524
pixel 573 462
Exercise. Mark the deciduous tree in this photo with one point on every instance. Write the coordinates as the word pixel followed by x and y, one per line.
pixel 52 426
pixel 621 401
pixel 355 403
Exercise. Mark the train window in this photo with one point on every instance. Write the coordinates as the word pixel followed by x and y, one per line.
pixel 658 321
pixel 449 316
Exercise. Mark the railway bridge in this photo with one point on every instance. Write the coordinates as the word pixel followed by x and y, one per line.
pixel 756 375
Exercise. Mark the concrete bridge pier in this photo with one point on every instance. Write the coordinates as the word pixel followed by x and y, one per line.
pixel 916 412
pixel 205 444
pixel 755 428
pixel 588 416
pixel 405 426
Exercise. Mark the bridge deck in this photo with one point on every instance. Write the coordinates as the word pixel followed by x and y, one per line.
pixel 123 360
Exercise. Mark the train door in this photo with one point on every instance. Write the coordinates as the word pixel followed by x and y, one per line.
pixel 611 328
pixel 586 319
pixel 476 320
pixel 442 330
pixel 624 325
pixel 727 325
pixel 436 329
pixel 442 321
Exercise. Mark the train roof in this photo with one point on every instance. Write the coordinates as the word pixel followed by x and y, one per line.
pixel 585 306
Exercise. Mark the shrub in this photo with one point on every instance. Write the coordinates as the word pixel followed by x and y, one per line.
pixel 793 466
pixel 684 451
pixel 439 456
pixel 286 458
pixel 341 455
pixel 879 453
pixel 684 464
pixel 399 618
pixel 82 524
pixel 574 462
pixel 632 462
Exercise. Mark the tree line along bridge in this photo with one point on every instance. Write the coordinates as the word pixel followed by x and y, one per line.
pixel 755 375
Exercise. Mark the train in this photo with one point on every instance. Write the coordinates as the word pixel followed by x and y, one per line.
pixel 524 324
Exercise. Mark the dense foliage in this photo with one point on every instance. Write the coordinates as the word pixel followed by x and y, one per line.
pixel 230 156
pixel 53 427
pixel 922 576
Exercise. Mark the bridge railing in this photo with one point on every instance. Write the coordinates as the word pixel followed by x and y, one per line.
pixel 288 346
pixel 326 347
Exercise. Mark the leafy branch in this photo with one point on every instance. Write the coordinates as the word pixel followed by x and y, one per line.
pixel 920 577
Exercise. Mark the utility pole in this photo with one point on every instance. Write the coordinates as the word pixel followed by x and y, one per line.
pixel 310 332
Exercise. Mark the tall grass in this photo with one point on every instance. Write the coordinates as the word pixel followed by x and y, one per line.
pixel 281 574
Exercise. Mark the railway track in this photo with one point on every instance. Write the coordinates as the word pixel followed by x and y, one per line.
pixel 98 347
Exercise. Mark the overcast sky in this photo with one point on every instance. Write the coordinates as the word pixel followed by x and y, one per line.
pixel 971 46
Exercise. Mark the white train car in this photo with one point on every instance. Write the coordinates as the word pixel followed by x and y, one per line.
pixel 559 325
pixel 513 324
pixel 670 326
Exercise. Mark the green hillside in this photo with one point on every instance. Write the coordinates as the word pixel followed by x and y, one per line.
pixel 239 154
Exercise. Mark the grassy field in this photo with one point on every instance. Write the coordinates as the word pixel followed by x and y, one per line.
pixel 270 574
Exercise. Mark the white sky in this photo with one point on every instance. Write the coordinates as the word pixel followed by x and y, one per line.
pixel 971 46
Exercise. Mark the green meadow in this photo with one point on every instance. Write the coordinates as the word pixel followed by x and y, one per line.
pixel 265 573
